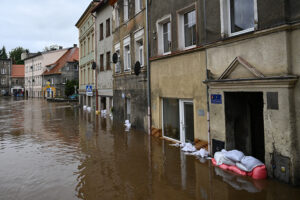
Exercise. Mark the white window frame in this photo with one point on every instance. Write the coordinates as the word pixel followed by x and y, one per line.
pixel 117 65
pixel 226 19
pixel 160 39
pixel 126 10
pixel 138 6
pixel 180 19
pixel 139 38
pixel 126 54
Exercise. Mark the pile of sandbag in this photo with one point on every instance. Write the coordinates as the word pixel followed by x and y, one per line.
pixel 237 162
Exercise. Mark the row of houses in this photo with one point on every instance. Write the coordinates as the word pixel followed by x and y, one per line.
pixel 221 71
pixel 11 78
pixel 46 73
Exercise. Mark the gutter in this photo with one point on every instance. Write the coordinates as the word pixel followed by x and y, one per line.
pixel 148 71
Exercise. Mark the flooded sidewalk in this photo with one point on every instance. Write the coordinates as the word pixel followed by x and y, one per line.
pixel 58 151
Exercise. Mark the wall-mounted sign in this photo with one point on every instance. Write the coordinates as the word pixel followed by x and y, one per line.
pixel 216 99
pixel 89 90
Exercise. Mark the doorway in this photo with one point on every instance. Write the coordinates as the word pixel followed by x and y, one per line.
pixel 244 123
pixel 178 120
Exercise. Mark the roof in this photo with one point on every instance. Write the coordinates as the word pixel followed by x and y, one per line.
pixel 18 71
pixel 72 55
pixel 86 12
pixel 99 5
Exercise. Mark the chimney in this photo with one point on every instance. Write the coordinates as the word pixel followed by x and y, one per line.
pixel 74 45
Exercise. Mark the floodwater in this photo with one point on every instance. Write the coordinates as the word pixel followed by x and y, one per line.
pixel 58 151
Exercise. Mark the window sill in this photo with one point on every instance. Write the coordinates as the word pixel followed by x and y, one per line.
pixel 166 53
pixel 241 32
pixel 189 47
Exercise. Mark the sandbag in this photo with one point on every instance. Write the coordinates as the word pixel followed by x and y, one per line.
pixel 235 169
pixel 250 163
pixel 227 161
pixel 234 155
pixel 259 172
pixel 221 159
pixel 242 167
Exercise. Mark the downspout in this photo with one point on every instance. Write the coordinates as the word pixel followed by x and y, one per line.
pixel 95 55
pixel 207 87
pixel 148 71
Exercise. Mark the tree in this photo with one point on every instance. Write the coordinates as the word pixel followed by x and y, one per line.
pixel 3 54
pixel 69 89
pixel 51 48
pixel 15 55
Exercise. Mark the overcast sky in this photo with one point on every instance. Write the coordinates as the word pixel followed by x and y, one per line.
pixel 34 24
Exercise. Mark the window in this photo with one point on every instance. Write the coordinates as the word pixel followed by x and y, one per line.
pixel 117 65
pixel 84 51
pixel 238 16
pixel 126 5
pixel 101 31
pixel 3 81
pixel 101 62
pixel 164 35
pixel 108 61
pixel 187 27
pixel 3 71
pixel 93 42
pixel 89 41
pixel 167 37
pixel 138 6
pixel 190 28
pixel 127 60
pixel 107 27
pixel 139 46
pixel 117 17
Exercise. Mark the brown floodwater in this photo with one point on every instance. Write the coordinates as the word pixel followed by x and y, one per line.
pixel 58 151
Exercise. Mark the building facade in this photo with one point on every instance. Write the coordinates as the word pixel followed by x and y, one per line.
pixel 87 80
pixel 104 40
pixel 246 53
pixel 57 74
pixel 17 80
pixel 35 66
pixel 130 89
pixel 253 69
pixel 5 73
pixel 178 95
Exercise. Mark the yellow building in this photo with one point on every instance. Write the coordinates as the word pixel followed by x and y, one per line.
pixel 86 28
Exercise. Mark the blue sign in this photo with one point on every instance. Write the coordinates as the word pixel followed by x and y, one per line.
pixel 89 90
pixel 216 99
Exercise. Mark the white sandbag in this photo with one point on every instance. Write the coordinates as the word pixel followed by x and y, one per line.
pixel 188 147
pixel 218 157
pixel 234 155
pixel 202 153
pixel 250 162
pixel 241 167
pixel 227 161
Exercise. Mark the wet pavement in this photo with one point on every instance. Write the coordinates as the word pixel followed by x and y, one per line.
pixel 58 151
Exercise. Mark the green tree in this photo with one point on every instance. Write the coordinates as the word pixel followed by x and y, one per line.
pixel 3 54
pixel 15 55
pixel 69 89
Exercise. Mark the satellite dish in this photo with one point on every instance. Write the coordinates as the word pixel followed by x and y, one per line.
pixel 137 68
pixel 115 58
pixel 94 65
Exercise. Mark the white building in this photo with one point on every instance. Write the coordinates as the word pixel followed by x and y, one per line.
pixel 35 65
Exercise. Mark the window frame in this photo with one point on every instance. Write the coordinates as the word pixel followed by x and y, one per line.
pixel 160 38
pixel 225 14
pixel 138 6
pixel 108 27
pixel 126 54
pixel 180 26
pixel 117 65
pixel 125 8
pixel 101 36
pixel 108 66
pixel 139 44
pixel 101 62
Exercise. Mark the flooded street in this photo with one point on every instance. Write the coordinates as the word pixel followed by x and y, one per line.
pixel 58 151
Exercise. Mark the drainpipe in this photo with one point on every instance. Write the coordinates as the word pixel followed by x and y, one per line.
pixel 96 71
pixel 148 71
pixel 208 109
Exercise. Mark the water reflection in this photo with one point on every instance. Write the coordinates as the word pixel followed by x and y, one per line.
pixel 58 151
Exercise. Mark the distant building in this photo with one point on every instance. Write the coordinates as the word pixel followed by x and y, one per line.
pixel 103 24
pixel 17 80
pixel 5 72
pixel 58 73
pixel 86 28
pixel 35 65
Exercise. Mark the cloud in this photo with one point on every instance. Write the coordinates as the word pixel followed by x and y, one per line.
pixel 34 24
